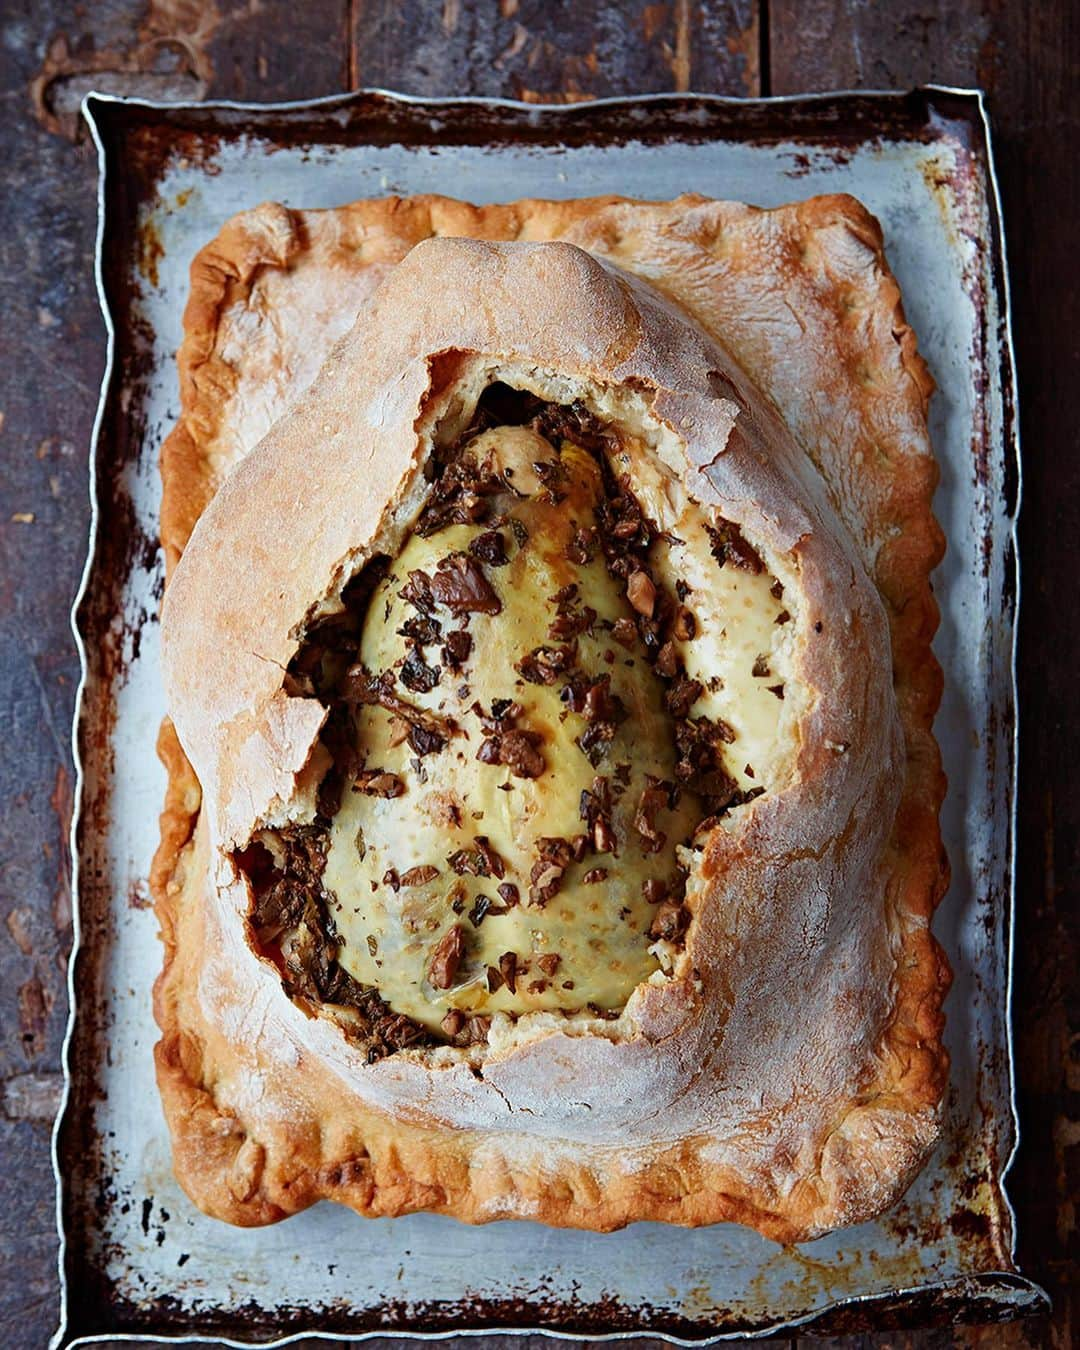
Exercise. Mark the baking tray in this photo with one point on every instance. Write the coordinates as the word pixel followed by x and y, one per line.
pixel 137 1260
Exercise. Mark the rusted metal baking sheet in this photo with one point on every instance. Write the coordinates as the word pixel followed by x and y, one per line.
pixel 137 1259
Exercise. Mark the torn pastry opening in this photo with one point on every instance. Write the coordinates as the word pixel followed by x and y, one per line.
pixel 538 710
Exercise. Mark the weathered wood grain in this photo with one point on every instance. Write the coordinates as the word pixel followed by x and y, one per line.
pixel 1032 72
pixel 252 50
pixel 52 348
pixel 1027 57
pixel 279 49
pixel 51 357
pixel 862 44
pixel 554 50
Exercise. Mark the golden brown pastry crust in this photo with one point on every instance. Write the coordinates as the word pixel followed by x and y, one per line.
pixel 803 298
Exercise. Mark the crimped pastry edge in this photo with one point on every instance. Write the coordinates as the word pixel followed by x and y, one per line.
pixel 913 1062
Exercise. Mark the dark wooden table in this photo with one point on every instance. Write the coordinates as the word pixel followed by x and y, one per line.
pixel 1027 56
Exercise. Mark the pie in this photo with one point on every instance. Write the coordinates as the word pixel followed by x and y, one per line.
pixel 552 819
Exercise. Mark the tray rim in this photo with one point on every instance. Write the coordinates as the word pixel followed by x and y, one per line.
pixel 993 1281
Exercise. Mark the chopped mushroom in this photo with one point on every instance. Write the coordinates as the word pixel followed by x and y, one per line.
pixel 641 593
pixel 446 958
pixel 460 585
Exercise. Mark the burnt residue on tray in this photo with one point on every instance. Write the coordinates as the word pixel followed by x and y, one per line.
pixel 993 1297
pixel 152 137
